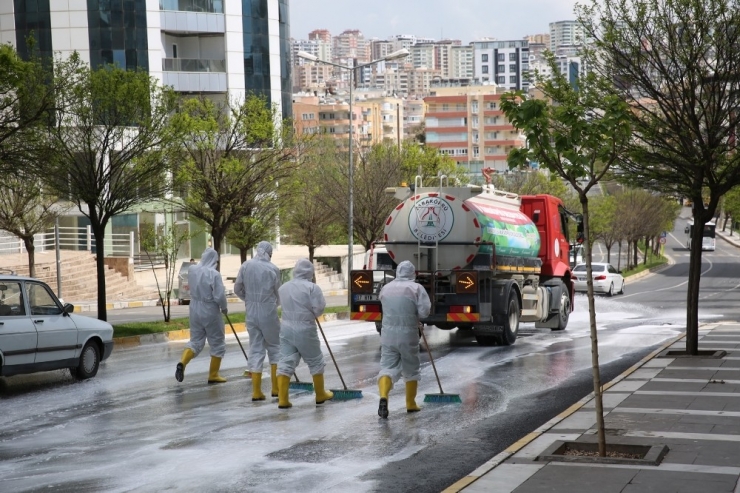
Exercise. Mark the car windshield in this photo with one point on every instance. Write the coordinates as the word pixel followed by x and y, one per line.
pixel 594 268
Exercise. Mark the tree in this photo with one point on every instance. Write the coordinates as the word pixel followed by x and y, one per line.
pixel 676 64
pixel 234 156
pixel 603 228
pixel 307 219
pixel 732 207
pixel 27 101
pixel 25 211
pixel 579 134
pixel 105 150
pixel 163 242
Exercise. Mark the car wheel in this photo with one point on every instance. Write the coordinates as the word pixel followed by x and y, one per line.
pixel 511 324
pixel 89 362
pixel 564 313
pixel 610 293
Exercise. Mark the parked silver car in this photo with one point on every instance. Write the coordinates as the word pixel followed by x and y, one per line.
pixel 38 333
pixel 607 279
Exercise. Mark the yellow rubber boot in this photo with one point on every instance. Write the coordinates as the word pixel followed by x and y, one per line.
pixel 283 383
pixel 384 387
pixel 213 376
pixel 321 394
pixel 273 379
pixel 411 387
pixel 187 355
pixel 257 394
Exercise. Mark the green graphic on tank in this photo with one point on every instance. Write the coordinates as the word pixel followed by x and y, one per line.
pixel 516 240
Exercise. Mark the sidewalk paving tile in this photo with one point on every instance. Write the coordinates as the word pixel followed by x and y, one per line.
pixel 507 478
pixel 555 477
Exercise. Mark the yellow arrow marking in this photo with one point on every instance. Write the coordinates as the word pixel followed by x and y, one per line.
pixel 359 281
pixel 467 282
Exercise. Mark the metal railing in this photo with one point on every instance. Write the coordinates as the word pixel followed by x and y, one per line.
pixel 80 239
pixel 206 6
pixel 193 65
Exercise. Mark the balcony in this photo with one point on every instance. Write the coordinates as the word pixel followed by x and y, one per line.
pixel 204 6
pixel 193 65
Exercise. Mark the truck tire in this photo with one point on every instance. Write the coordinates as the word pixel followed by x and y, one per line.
pixel 511 323
pixel 564 312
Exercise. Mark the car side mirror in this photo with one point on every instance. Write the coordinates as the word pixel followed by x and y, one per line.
pixel 69 308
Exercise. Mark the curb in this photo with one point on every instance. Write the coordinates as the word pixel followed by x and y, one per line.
pixel 528 438
pixel 184 334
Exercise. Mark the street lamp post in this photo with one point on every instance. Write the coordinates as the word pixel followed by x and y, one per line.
pixel 313 58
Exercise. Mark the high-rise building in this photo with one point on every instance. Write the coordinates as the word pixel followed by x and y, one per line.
pixel 351 44
pixel 504 63
pixel 564 34
pixel 214 47
pixel 461 62
pixel 467 124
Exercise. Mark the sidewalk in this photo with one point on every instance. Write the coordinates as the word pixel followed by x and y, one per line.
pixel 691 405
pixel 733 240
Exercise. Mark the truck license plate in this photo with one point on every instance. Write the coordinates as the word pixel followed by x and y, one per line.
pixel 366 297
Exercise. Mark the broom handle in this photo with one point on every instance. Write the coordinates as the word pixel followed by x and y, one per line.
pixel 331 354
pixel 432 360
pixel 237 337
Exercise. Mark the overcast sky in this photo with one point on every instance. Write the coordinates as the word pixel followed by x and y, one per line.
pixel 466 20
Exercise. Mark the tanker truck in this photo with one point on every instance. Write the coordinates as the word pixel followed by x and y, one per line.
pixel 488 259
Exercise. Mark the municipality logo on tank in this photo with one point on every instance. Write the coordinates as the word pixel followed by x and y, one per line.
pixel 431 219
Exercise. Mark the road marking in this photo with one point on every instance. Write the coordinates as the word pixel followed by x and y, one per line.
pixel 670 287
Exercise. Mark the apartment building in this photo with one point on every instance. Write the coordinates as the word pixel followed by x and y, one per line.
pixel 312 77
pixel 462 64
pixel 413 114
pixel 316 47
pixel 213 47
pixel 467 124
pixel 565 33
pixel 504 63
pixel 350 44
pixel 423 56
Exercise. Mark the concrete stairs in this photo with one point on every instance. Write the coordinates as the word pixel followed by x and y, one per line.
pixel 327 278
pixel 79 276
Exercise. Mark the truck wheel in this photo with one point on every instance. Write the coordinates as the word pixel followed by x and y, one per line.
pixel 564 312
pixel 511 323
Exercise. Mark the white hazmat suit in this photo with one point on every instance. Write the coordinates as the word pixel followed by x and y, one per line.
pixel 207 303
pixel 257 284
pixel 302 303
pixel 404 303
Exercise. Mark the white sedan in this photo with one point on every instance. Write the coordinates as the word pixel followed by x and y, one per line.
pixel 38 333
pixel 607 279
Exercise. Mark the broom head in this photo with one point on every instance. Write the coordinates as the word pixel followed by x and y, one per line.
pixel 301 386
pixel 443 398
pixel 346 394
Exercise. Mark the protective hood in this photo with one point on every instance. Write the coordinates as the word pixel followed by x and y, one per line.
pixel 209 259
pixel 406 271
pixel 303 270
pixel 264 251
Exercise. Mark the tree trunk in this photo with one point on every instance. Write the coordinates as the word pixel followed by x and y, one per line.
pixel 594 337
pixel 243 254
pixel 608 253
pixel 647 249
pixel 619 257
pixel 311 250
pixel 31 249
pixel 217 237
pixel 692 292
pixel 634 253
pixel 99 234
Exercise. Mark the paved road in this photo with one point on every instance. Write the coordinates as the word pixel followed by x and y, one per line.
pixel 134 427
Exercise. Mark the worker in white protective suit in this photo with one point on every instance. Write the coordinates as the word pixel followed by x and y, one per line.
pixel 257 284
pixel 404 303
pixel 207 303
pixel 302 302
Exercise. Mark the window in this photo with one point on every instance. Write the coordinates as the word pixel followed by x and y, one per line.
pixel 501 57
pixel 491 105
pixel 512 67
pixel 512 57
pixel 512 79
pixel 174 51
pixel 484 69
pixel 11 299
pixel 501 79
pixel 445 107
pixel 41 301
pixel 476 151
pixel 501 68
pixel 460 107
pixel 484 58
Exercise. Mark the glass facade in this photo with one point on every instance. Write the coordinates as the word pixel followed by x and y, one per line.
pixel 117 31
pixel 257 51
pixel 208 6
pixel 32 18
pixel 286 84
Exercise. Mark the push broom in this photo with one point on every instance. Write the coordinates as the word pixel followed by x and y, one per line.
pixel 339 394
pixel 441 397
